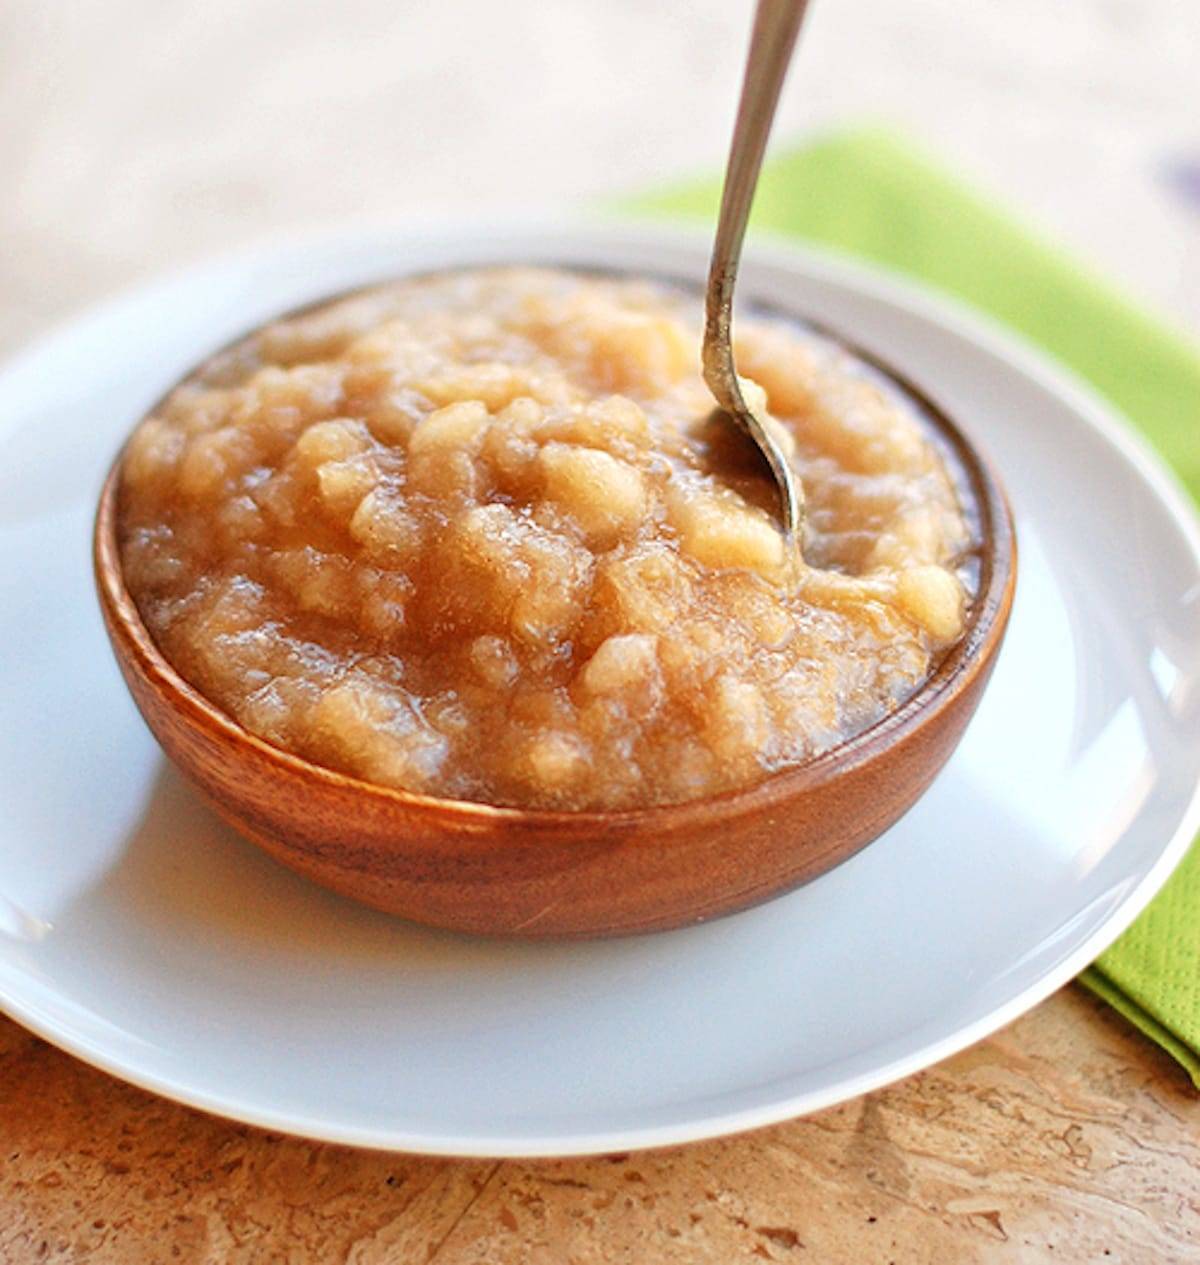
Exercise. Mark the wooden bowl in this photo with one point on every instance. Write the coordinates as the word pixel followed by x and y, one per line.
pixel 534 873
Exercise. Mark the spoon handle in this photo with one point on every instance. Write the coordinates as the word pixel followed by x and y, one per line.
pixel 776 25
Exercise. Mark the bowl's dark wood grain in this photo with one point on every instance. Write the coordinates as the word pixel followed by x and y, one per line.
pixel 512 872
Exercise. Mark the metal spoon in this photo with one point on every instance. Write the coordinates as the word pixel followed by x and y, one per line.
pixel 776 24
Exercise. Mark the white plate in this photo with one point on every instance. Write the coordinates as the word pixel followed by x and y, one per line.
pixel 139 933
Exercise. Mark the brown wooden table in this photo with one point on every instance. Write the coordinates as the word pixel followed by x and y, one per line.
pixel 1065 1137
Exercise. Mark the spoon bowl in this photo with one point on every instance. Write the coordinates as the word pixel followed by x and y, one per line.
pixel 534 873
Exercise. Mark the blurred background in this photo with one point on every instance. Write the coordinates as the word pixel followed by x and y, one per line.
pixel 142 134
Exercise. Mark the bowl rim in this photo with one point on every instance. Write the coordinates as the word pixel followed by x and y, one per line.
pixel 955 670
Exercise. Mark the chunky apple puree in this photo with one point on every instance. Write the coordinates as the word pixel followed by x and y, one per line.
pixel 475 536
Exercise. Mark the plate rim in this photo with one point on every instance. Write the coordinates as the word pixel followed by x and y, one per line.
pixel 776 254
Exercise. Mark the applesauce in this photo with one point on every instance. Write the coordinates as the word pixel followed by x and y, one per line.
pixel 478 536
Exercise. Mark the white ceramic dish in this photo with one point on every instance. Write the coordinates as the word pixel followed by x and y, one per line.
pixel 139 933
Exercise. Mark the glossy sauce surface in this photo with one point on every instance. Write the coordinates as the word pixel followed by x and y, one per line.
pixel 477 536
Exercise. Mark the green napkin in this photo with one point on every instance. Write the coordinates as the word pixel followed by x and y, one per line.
pixel 869 194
